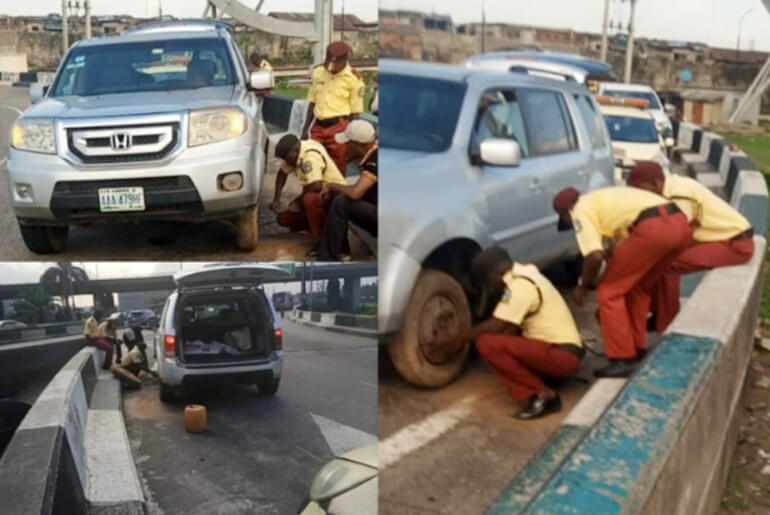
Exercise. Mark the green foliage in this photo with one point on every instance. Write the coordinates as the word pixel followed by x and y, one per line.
pixel 35 306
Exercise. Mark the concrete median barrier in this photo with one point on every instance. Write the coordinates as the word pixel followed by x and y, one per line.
pixel 661 441
pixel 357 325
pixel 71 452
pixel 19 362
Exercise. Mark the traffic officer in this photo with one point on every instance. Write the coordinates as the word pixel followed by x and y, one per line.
pixel 531 334
pixel 311 164
pixel 260 62
pixel 647 232
pixel 336 95
pixel 722 235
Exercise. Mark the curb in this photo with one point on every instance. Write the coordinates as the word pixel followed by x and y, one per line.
pixel 353 331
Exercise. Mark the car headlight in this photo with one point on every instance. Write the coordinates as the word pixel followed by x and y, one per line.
pixel 212 125
pixel 34 136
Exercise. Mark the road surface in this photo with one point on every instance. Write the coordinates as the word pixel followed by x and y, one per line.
pixel 259 453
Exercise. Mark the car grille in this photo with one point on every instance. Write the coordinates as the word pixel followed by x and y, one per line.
pixel 149 184
pixel 123 144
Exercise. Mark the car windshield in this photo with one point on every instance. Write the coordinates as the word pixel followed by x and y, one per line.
pixel 645 95
pixel 631 130
pixel 145 66
pixel 424 112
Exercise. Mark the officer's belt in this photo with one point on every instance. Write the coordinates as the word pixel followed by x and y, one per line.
pixel 748 233
pixel 653 212
pixel 328 122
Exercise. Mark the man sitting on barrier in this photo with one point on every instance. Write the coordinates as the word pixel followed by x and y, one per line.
pixel 94 332
pixel 91 325
pixel 311 164
pixel 721 235
pixel 108 332
pixel 530 336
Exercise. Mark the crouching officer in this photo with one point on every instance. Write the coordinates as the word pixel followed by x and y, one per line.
pixel 530 336
pixel 722 236
pixel 648 231
pixel 311 164
pixel 336 94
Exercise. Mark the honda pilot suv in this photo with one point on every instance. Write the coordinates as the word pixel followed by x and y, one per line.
pixel 161 122
pixel 220 327
pixel 474 159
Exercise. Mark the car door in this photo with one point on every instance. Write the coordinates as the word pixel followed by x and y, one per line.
pixel 511 194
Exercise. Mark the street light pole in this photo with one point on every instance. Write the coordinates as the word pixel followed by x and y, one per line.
pixel 740 26
pixel 483 27
pixel 87 6
pixel 603 56
pixel 630 43
pixel 64 29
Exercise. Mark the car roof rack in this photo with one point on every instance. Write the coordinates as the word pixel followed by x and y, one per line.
pixel 520 68
pixel 177 25
pixel 609 100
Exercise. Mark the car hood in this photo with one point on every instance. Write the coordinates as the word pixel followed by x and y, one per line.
pixel 127 104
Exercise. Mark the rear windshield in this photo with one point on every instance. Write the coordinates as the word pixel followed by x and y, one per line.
pixel 145 66
pixel 631 130
pixel 645 95
pixel 418 114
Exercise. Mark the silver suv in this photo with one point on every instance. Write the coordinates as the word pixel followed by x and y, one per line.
pixel 219 326
pixel 473 159
pixel 161 122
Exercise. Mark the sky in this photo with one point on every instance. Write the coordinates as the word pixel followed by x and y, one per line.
pixel 364 9
pixel 714 22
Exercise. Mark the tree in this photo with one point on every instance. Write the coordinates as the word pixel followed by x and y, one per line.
pixel 34 306
pixel 61 279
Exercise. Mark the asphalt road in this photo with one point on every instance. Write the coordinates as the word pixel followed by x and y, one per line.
pixel 259 453
pixel 147 241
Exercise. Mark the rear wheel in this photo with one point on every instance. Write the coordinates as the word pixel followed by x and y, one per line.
pixel 269 387
pixel 247 228
pixel 44 239
pixel 166 393
pixel 438 304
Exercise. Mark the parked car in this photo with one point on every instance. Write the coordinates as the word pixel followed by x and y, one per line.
pixel 160 122
pixel 152 322
pixel 12 324
pixel 642 91
pixel 347 485
pixel 220 326
pixel 634 135
pixel 578 68
pixel 119 318
pixel 139 317
pixel 474 159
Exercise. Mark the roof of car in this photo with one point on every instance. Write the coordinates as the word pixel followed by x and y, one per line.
pixel 593 66
pixel 628 112
pixel 141 37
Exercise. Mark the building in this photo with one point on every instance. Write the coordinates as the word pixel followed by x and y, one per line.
pixel 713 106
pixel 129 301
pixel 423 21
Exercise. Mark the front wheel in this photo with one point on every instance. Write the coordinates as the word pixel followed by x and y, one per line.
pixel 247 228
pixel 269 387
pixel 44 239
pixel 438 304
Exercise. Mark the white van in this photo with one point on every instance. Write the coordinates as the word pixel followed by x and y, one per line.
pixel 220 326
pixel 656 109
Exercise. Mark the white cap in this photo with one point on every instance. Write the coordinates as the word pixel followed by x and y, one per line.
pixel 359 131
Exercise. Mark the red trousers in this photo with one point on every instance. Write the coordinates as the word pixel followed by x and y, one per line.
pixel 337 151
pixel 636 265
pixel 702 256
pixel 521 362
pixel 106 346
pixel 310 218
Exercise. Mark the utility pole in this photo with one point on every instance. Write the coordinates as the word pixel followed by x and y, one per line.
pixel 483 27
pixel 323 27
pixel 740 26
pixel 342 29
pixel 87 6
pixel 603 56
pixel 160 9
pixel 630 43
pixel 64 29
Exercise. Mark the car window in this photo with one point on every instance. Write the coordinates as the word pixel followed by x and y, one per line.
pixel 592 120
pixel 630 129
pixel 548 123
pixel 499 116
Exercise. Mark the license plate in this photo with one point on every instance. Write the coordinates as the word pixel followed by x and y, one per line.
pixel 121 199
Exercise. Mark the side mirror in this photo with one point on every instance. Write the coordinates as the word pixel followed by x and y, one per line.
pixel 500 152
pixel 36 92
pixel 261 79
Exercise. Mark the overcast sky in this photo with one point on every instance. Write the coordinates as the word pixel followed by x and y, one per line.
pixel 364 9
pixel 714 22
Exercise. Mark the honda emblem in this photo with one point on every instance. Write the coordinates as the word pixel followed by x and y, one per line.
pixel 120 141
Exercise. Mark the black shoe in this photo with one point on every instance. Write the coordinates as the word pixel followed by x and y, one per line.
pixel 652 323
pixel 617 368
pixel 641 354
pixel 539 406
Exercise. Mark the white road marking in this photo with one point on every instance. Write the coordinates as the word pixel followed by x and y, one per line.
pixel 11 108
pixel 370 385
pixel 342 438
pixel 419 434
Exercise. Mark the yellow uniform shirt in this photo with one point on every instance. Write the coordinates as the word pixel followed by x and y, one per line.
pixel 542 315
pixel 609 213
pixel 134 357
pixel 336 94
pixel 103 332
pixel 90 328
pixel 314 165
pixel 719 221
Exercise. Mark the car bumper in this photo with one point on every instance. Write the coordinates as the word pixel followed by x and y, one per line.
pixel 184 188
pixel 174 373
pixel 397 275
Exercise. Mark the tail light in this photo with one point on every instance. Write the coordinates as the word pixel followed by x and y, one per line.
pixel 169 349
pixel 278 337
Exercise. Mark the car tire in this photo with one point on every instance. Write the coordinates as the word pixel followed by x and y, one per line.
pixel 166 393
pixel 247 228
pixel 438 302
pixel 44 239
pixel 268 387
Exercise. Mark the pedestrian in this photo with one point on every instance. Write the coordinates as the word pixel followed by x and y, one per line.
pixel 260 62
pixel 335 96
pixel 647 232
pixel 722 236
pixel 530 336
pixel 311 164
pixel 355 203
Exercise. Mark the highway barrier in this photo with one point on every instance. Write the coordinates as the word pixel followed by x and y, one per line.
pixel 661 441
pixel 71 452
pixel 25 361
pixel 40 331
pixel 360 325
